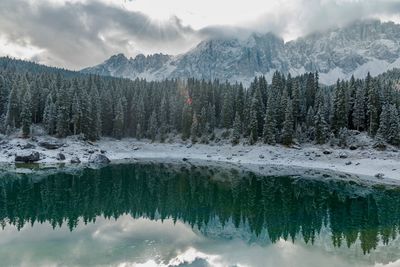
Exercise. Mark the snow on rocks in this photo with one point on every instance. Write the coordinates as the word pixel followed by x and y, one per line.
pixel 75 160
pixel 27 157
pixel 366 160
pixel 50 144
pixel 99 159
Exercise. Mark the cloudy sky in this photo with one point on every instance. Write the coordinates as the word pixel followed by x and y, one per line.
pixel 79 33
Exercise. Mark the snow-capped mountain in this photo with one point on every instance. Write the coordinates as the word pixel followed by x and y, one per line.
pixel 359 48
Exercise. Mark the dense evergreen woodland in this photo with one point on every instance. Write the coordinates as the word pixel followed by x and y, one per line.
pixel 287 110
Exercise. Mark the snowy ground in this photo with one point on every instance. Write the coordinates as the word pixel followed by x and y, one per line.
pixel 364 161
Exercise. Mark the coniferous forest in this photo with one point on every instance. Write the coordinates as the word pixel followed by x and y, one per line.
pixel 286 110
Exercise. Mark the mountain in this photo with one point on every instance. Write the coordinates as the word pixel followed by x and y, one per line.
pixel 359 48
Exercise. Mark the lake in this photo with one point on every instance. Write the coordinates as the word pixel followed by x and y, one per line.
pixel 153 214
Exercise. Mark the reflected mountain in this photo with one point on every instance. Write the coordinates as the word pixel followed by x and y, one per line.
pixel 209 199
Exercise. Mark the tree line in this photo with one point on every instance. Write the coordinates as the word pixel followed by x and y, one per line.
pixel 287 110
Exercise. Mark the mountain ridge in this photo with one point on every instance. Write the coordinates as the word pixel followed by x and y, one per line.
pixel 361 47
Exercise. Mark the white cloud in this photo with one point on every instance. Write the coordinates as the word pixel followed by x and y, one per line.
pixel 79 33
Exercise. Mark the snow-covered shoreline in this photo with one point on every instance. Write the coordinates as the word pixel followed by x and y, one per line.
pixel 363 162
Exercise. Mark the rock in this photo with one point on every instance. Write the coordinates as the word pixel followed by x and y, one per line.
pixel 327 152
pixel 185 159
pixel 228 158
pixel 348 163
pixel 50 144
pixel 99 159
pixel 91 151
pixel 343 155
pixel 380 145
pixel 136 148
pixel 295 147
pixel 189 146
pixel 75 160
pixel 27 157
pixel 379 175
pixel 102 151
pixel 261 156
pixel 208 156
pixel 28 146
pixel 60 156
pixel 353 147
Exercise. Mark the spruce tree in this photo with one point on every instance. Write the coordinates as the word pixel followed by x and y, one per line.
pixel 118 122
pixel 26 114
pixel 394 127
pixel 153 126
pixel 253 124
pixel 321 128
pixel 95 113
pixel 76 114
pixel 237 129
pixel 13 109
pixel 63 109
pixel 194 130
pixel 372 106
pixel 340 113
pixel 288 128
pixel 186 121
pixel 49 116
pixel 269 129
pixel 359 109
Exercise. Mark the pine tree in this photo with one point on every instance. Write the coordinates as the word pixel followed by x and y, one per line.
pixel 227 110
pixel 13 109
pixel 296 103
pixel 340 113
pixel 118 122
pixel 153 126
pixel 384 122
pixel 26 114
pixel 389 126
pixel 76 114
pixel 321 127
pixel 372 106
pixel 203 125
pixel 269 131
pixel 95 114
pixel 4 93
pixel 237 129
pixel 63 108
pixel 288 128
pixel 394 127
pixel 253 125
pixel 186 121
pixel 49 116
pixel 194 130
pixel 359 109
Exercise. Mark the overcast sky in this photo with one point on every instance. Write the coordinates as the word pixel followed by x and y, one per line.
pixel 80 33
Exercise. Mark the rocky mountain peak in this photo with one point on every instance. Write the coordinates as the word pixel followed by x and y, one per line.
pixel 358 48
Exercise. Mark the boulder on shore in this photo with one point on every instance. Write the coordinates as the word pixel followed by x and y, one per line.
pixel 75 160
pixel 27 157
pixel 50 144
pixel 60 156
pixel 99 159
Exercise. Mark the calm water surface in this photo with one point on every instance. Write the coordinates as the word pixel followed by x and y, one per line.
pixel 172 215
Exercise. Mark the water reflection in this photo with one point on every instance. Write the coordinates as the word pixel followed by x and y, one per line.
pixel 182 211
